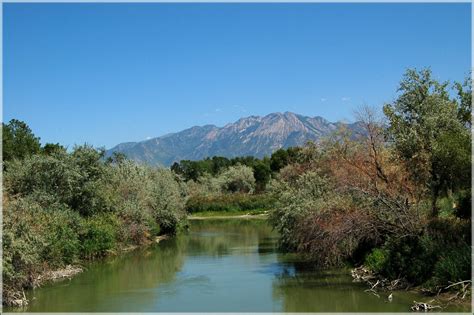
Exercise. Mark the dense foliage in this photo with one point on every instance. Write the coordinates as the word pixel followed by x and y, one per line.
pixel 262 168
pixel 396 198
pixel 60 208
pixel 219 184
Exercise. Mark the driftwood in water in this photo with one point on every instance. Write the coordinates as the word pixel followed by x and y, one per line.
pixel 16 299
pixel 66 273
pixel 464 289
pixel 422 306
pixel 161 238
pixel 362 274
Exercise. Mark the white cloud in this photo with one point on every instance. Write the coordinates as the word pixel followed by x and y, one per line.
pixel 323 99
pixel 148 138
pixel 345 99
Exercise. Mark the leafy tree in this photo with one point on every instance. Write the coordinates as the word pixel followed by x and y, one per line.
pixel 262 173
pixel 423 121
pixel 279 159
pixel 237 178
pixel 219 163
pixel 52 148
pixel 116 158
pixel 18 141
pixel 464 92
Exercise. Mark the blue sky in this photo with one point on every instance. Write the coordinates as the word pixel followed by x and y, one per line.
pixel 110 73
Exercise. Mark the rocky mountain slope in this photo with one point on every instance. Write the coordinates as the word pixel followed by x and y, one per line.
pixel 254 135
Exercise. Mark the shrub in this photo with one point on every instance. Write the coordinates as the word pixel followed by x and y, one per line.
pixel 147 200
pixel 298 198
pixel 229 203
pixel 237 178
pixel 411 257
pixel 167 201
pixel 71 179
pixel 376 260
pixel 62 244
pixel 453 265
pixel 98 235
pixel 23 241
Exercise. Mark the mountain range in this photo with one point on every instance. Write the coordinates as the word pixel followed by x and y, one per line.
pixel 254 135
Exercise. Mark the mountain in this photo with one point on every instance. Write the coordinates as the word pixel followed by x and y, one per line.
pixel 254 135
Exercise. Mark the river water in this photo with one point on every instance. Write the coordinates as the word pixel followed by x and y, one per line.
pixel 218 266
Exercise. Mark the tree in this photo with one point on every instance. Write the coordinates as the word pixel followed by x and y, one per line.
pixel 237 178
pixel 18 141
pixel 422 120
pixel 278 160
pixel 219 163
pixel 464 92
pixel 52 148
pixel 117 158
pixel 261 172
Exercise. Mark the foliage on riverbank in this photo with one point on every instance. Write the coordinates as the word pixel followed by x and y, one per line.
pixel 230 203
pixel 62 208
pixel 396 198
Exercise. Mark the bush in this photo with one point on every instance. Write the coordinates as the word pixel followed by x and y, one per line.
pixel 23 242
pixel 71 179
pixel 147 200
pixel 412 258
pixel 376 260
pixel 229 203
pixel 453 265
pixel 237 178
pixel 298 197
pixel 167 200
pixel 62 244
pixel 98 236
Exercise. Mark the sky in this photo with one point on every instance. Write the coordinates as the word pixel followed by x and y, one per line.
pixel 103 74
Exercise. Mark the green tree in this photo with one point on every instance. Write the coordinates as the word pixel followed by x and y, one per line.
pixel 18 141
pixel 262 174
pixel 424 122
pixel 464 93
pixel 279 159
pixel 238 178
pixel 52 148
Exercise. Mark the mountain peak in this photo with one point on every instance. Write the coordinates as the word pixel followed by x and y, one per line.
pixel 253 135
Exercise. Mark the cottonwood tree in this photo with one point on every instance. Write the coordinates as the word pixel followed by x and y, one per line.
pixel 424 120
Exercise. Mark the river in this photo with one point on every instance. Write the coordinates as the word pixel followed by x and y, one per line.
pixel 218 266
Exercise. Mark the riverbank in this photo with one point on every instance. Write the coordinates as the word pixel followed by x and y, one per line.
pixel 255 214
pixel 245 216
pixel 455 294
pixel 17 298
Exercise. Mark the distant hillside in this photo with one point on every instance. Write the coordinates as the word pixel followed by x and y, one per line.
pixel 254 135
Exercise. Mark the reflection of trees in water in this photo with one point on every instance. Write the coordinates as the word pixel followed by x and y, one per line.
pixel 133 273
pixel 312 291
pixel 223 237
pixel 301 288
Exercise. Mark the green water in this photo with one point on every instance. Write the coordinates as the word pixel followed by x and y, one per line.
pixel 221 266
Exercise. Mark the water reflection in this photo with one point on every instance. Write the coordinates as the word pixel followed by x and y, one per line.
pixel 219 265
